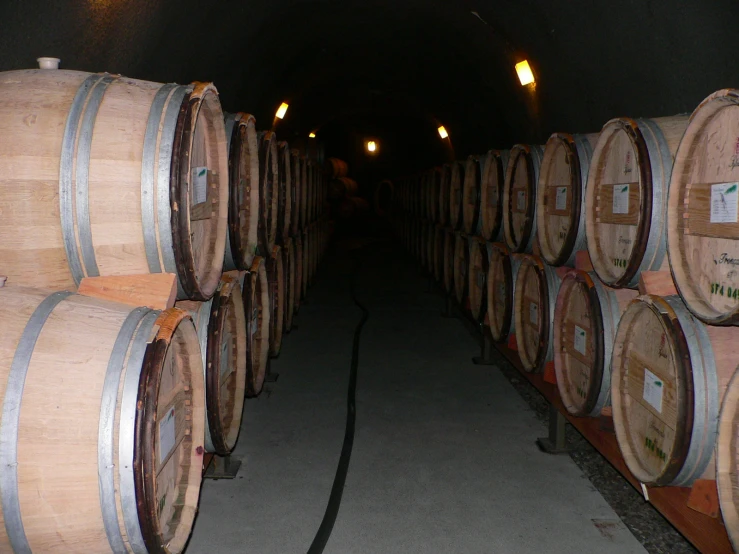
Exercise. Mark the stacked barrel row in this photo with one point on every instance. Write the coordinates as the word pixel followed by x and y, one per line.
pixel 108 408
pixel 546 246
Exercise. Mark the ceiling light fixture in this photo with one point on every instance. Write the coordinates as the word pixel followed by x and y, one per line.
pixel 281 111
pixel 525 75
pixel 371 146
pixel 442 132
pixel 311 135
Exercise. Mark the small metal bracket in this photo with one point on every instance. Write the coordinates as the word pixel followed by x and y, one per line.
pixel 486 348
pixel 225 467
pixel 555 443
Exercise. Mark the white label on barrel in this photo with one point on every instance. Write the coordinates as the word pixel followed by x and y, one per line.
pixel 534 313
pixel 653 390
pixel 167 434
pixel 621 199
pixel 226 364
pixel 561 200
pixel 199 189
pixel 521 200
pixel 724 202
pixel 580 339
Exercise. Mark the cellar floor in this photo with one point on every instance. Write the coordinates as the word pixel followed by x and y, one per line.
pixel 444 457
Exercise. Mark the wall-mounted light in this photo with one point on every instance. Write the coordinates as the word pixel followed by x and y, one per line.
pixel 525 75
pixel 311 135
pixel 442 132
pixel 281 111
pixel 371 146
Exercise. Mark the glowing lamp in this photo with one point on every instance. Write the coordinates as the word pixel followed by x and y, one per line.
pixel 442 132
pixel 371 146
pixel 311 135
pixel 281 111
pixel 524 73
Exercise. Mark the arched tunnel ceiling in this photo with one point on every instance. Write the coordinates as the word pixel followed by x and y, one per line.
pixel 394 68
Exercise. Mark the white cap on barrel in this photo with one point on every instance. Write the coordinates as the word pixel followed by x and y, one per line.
pixel 48 63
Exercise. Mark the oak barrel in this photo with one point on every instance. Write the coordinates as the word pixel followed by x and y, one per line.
pixel 106 175
pixel 445 183
pixel 491 194
pixel 341 187
pixel 296 172
pixel 519 197
pixel 433 191
pixel 702 222
pixel 276 279
pixel 243 190
pixel 307 261
pixel 537 285
pixel 101 436
pixel 269 178
pixel 471 195
pixel 476 278
pixel 727 459
pixel 561 197
pixel 461 264
pixel 258 320
pixel 334 168
pixel 288 261
pixel 298 296
pixel 626 197
pixel 284 219
pixel 439 236
pixel 586 317
pixel 449 243
pixel 503 269
pixel 668 375
pixel 221 327
pixel 456 184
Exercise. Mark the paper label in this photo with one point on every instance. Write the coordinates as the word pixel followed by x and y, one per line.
pixel 653 387
pixel 199 189
pixel 167 433
pixel 226 364
pixel 534 313
pixel 724 203
pixel 621 199
pixel 580 340
pixel 521 200
pixel 561 198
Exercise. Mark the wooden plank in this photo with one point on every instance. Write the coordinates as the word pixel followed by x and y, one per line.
pixel 706 533
pixel 156 290
pixel 657 282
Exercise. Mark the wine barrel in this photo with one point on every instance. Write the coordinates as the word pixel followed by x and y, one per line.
pixel 519 197
pixel 336 168
pixel 668 375
pixel 537 286
pixel 461 264
pixel 471 221
pixel 561 197
pixel 439 235
pixel 101 436
pixel 243 194
pixel 221 327
pixel 503 269
pixel 258 311
pixel 79 201
pixel 288 261
pixel 295 197
pixel 276 279
pixel 586 317
pixel 449 243
pixel 702 223
pixel 430 245
pixel 298 296
pixel 341 187
pixel 626 197
pixel 726 461
pixel 456 184
pixel 445 187
pixel 311 198
pixel 284 212
pixel 269 179
pixel 477 275
pixel 434 189
pixel 383 198
pixel 491 195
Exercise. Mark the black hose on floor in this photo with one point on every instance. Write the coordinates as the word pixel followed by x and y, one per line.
pixel 337 490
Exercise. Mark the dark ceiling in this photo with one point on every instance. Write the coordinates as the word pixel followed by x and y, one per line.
pixel 395 69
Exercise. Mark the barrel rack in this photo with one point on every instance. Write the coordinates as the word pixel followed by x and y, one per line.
pixel 693 511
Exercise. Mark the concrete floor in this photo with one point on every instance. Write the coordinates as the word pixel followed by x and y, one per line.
pixel 444 457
